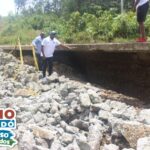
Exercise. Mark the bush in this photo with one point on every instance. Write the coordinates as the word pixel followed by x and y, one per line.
pixel 147 25
pixel 125 25
pixel 89 27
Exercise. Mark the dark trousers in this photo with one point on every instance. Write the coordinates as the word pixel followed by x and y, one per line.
pixel 47 62
pixel 39 59
pixel 142 12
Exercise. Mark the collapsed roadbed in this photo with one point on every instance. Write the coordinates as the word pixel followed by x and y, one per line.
pixel 122 67
pixel 58 113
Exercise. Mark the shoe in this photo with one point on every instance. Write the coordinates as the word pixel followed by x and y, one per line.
pixel 141 40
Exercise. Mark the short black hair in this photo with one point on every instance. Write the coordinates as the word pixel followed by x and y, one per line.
pixel 53 33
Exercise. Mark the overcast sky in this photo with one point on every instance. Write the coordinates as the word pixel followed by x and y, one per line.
pixel 6 6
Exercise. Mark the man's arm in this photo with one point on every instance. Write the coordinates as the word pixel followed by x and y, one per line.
pixel 136 3
pixel 42 50
pixel 59 44
pixel 64 46
pixel 33 43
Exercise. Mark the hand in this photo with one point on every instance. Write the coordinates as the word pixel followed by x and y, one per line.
pixel 135 4
pixel 71 48
pixel 43 57
pixel 66 47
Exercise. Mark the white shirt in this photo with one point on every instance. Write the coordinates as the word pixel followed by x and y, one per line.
pixel 49 46
pixel 141 2
pixel 37 43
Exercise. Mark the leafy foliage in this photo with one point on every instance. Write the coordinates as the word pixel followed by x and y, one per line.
pixel 76 21
pixel 125 25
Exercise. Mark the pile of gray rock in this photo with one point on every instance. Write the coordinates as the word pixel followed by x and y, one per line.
pixel 56 113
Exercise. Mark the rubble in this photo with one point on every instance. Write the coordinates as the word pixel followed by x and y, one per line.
pixel 57 113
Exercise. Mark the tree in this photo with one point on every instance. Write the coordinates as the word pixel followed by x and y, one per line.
pixel 65 7
pixel 20 5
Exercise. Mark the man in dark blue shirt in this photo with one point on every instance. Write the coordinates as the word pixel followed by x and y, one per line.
pixel 37 43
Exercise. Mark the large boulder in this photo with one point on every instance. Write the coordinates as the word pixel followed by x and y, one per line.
pixel 131 131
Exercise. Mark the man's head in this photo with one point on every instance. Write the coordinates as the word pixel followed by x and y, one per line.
pixel 42 34
pixel 52 34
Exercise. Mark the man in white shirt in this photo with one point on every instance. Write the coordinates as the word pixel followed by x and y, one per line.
pixel 141 7
pixel 48 47
pixel 37 44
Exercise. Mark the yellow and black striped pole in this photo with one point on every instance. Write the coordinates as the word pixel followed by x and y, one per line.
pixel 21 54
pixel 34 57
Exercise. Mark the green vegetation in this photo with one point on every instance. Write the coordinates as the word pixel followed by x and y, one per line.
pixel 76 21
